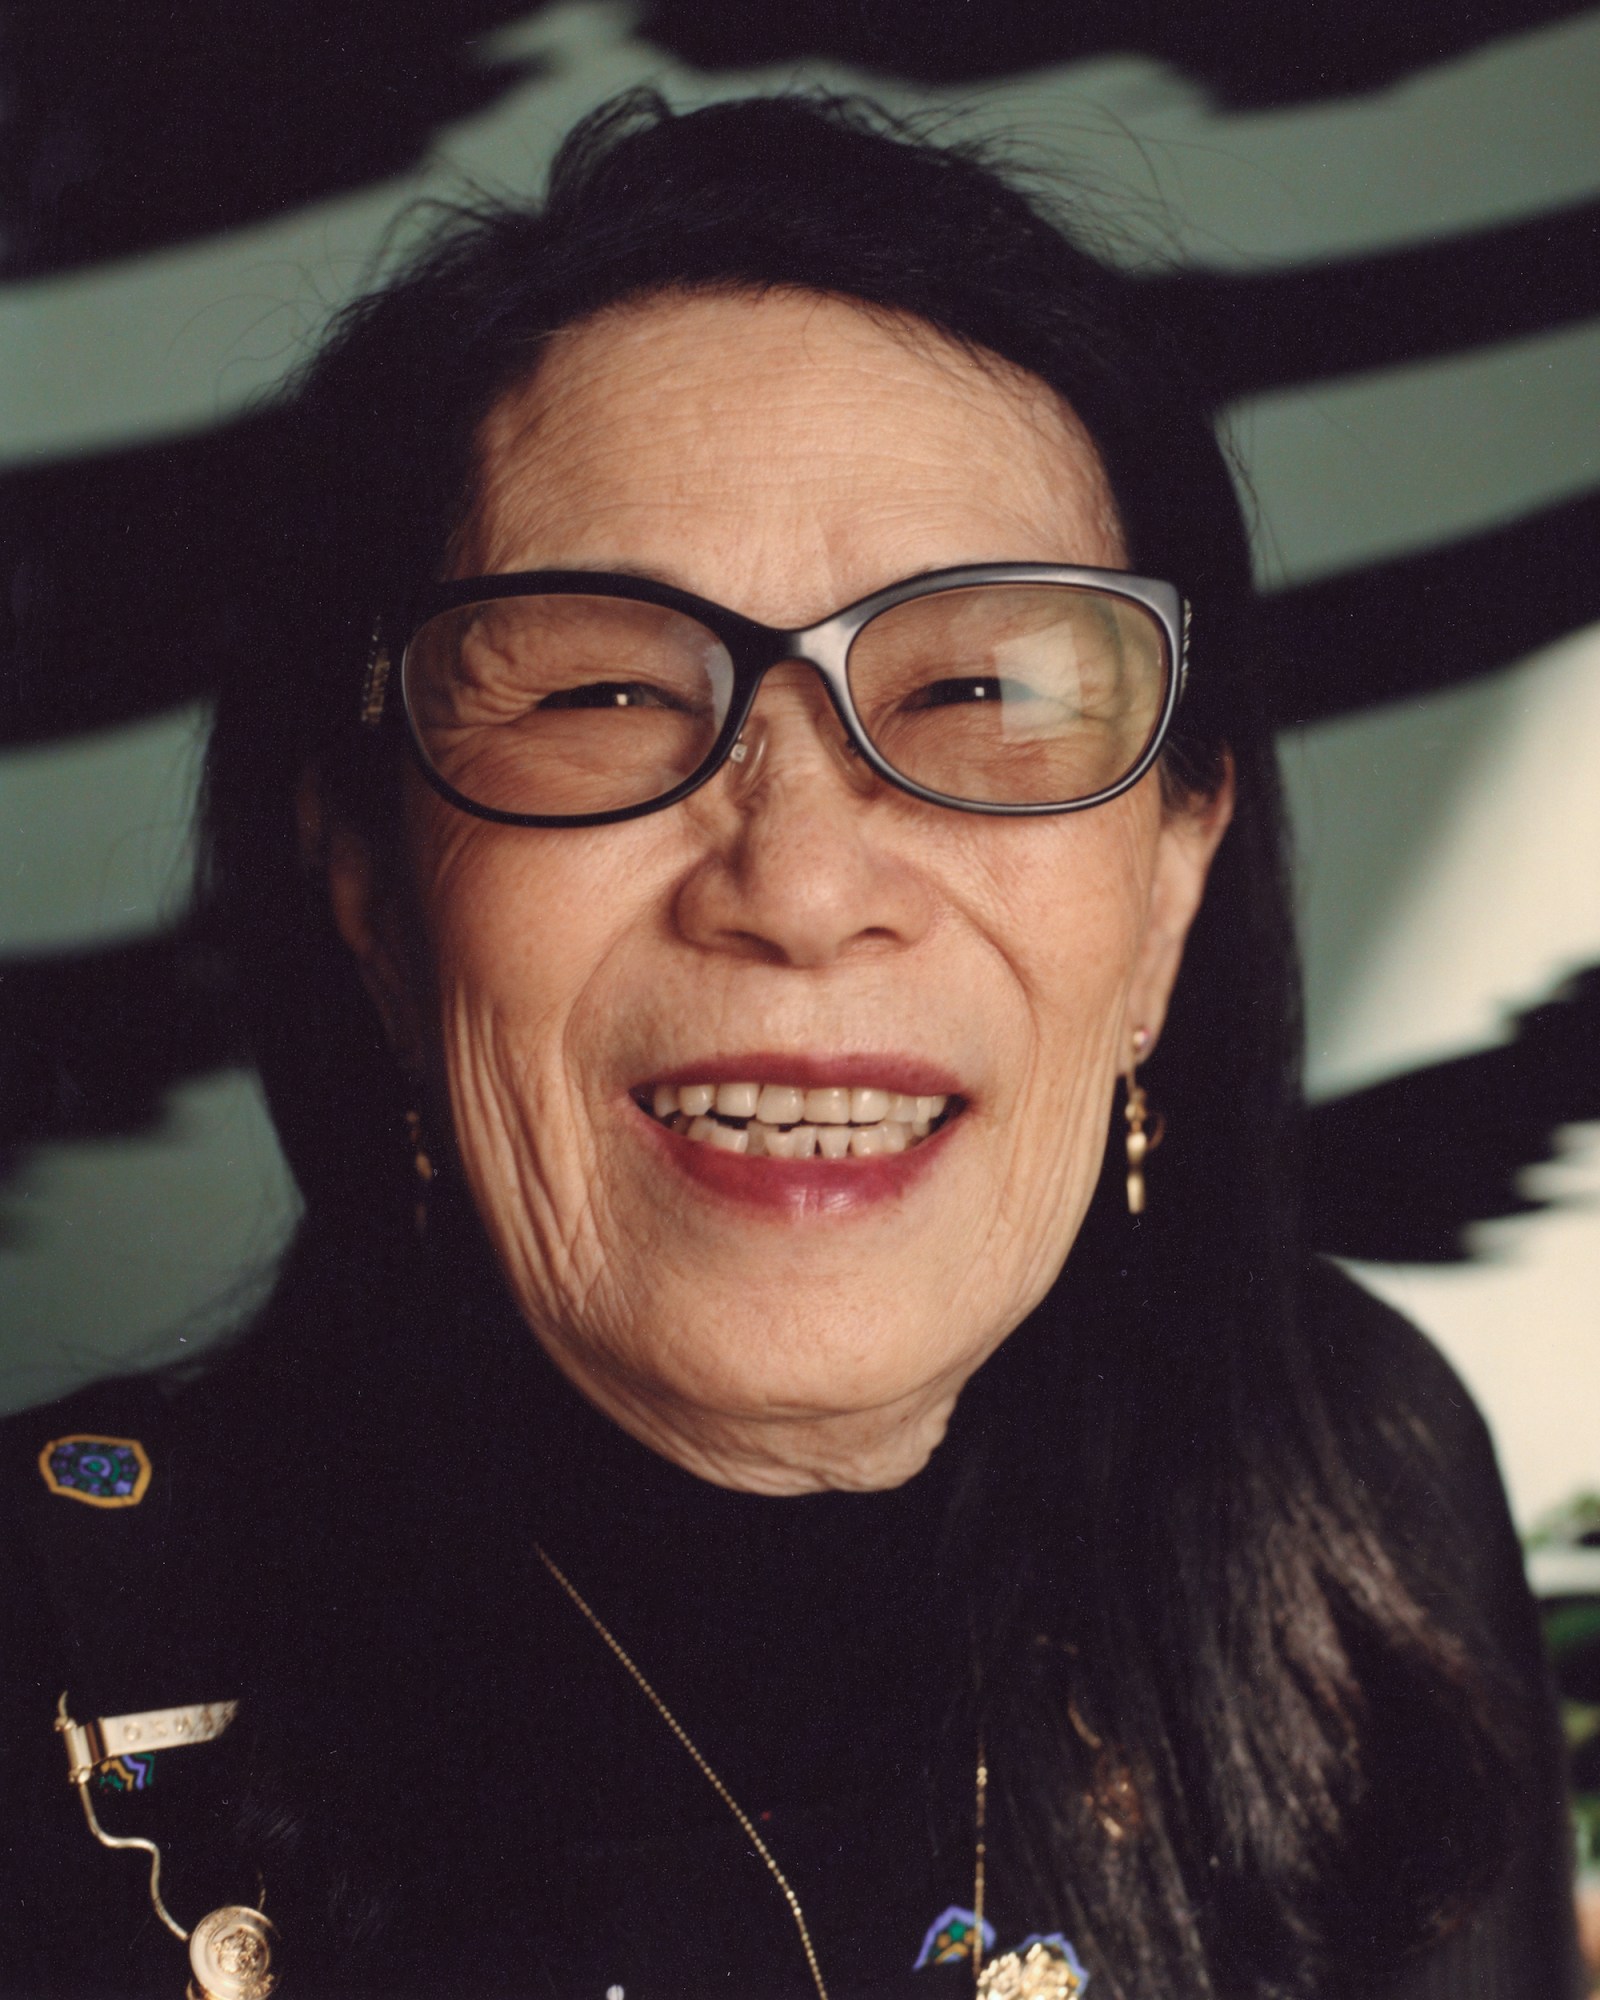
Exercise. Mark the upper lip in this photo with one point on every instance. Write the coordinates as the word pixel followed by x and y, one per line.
pixel 910 1076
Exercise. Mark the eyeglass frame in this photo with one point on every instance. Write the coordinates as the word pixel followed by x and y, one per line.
pixel 753 649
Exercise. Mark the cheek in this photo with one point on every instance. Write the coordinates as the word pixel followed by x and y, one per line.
pixel 526 933
pixel 520 927
pixel 1076 896
pixel 1072 901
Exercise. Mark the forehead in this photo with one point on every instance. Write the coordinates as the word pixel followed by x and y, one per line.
pixel 709 437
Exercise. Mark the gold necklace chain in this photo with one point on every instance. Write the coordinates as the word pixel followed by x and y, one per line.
pixel 738 1811
pixel 704 1768
pixel 980 1814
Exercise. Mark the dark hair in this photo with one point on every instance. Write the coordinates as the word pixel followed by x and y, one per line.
pixel 1214 1536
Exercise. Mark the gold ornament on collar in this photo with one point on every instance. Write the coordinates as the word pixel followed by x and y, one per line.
pixel 230 1951
pixel 1044 1971
pixel 230 1955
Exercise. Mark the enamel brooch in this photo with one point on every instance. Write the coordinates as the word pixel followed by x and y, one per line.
pixel 99 1471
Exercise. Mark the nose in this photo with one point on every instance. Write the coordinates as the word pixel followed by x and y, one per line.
pixel 807 856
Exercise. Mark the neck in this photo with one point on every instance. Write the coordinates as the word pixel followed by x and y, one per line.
pixel 779 1454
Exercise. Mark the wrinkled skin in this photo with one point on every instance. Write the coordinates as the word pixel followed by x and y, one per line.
pixel 783 455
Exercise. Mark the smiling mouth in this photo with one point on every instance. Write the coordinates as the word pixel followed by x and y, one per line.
pixel 777 1121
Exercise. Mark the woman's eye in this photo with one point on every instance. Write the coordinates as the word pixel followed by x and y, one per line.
pixel 614 694
pixel 971 688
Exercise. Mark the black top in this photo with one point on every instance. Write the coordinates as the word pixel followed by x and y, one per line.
pixel 445 1779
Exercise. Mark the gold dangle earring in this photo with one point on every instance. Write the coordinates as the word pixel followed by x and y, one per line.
pixel 422 1165
pixel 1141 1144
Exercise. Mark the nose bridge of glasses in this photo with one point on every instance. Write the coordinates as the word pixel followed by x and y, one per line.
pixel 798 689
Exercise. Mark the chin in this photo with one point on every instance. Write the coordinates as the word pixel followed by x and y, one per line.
pixel 856 1348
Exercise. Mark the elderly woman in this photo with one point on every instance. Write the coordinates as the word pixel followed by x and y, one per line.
pixel 755 1477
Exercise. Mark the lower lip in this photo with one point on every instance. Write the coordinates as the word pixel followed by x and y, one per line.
pixel 797 1188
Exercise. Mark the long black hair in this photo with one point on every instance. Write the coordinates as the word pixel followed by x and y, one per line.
pixel 1204 1759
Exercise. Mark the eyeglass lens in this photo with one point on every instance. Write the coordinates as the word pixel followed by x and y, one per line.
pixel 994 694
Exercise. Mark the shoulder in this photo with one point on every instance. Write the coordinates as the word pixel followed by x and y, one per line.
pixel 1410 1433
pixel 1366 1344
pixel 92 1447
pixel 119 1592
pixel 1396 1402
pixel 124 1508
pixel 86 1485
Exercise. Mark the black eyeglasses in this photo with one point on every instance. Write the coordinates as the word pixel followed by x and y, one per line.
pixel 578 697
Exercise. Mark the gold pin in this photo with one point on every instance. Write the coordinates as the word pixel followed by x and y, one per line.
pixel 230 1951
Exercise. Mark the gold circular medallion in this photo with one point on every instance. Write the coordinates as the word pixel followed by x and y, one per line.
pixel 1042 1972
pixel 230 1954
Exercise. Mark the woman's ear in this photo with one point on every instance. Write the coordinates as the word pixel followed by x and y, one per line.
pixel 1191 832
pixel 365 905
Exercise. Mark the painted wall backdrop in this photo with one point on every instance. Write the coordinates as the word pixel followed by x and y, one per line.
pixel 1380 225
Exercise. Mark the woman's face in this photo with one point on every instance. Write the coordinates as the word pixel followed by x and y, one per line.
pixel 779 1324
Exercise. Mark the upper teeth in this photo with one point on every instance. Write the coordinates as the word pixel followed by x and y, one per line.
pixel 787 1122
